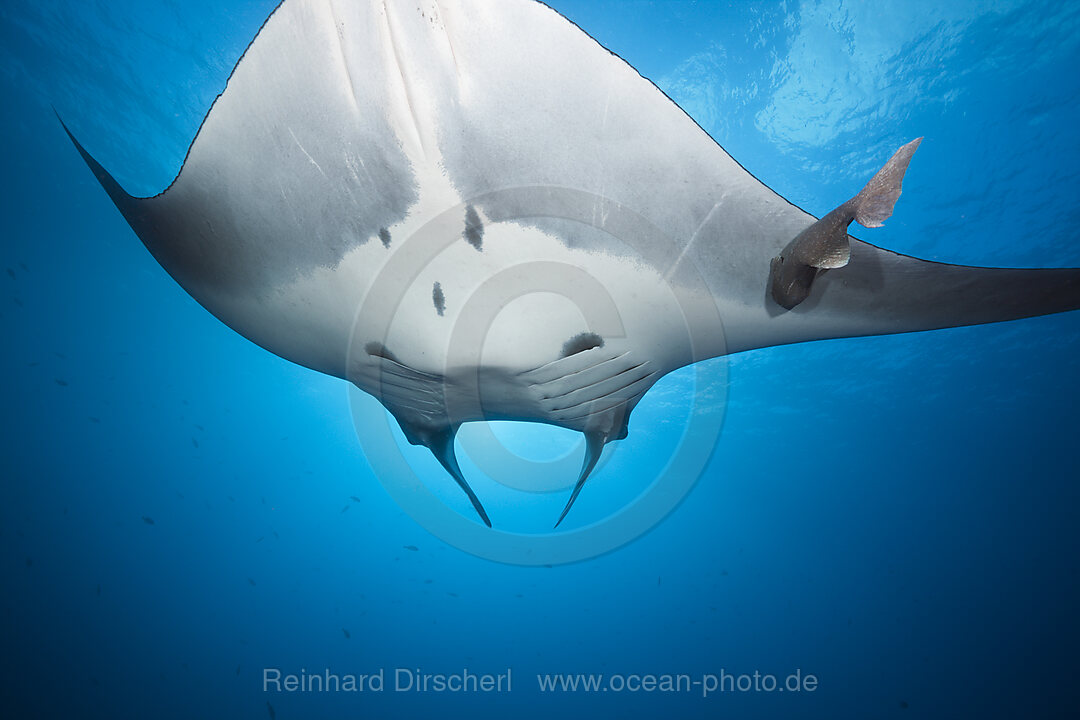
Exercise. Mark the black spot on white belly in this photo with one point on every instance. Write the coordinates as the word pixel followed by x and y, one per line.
pixel 581 342
pixel 474 229
pixel 377 349
pixel 384 235
pixel 438 299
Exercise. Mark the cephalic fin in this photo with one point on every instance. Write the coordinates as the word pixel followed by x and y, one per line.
pixel 594 446
pixel 441 444
pixel 825 244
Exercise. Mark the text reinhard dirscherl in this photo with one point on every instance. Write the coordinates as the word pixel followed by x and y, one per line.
pixel 396 680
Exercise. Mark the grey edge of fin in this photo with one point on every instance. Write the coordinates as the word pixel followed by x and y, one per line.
pixel 594 446
pixel 441 444
pixel 117 194
pixel 825 245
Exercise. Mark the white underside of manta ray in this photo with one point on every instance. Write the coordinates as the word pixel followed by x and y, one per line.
pixel 472 210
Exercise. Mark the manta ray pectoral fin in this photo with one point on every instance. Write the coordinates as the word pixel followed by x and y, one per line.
pixel 825 244
pixel 119 196
pixel 594 446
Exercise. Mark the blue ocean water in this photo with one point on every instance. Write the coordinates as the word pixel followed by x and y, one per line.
pixel 896 516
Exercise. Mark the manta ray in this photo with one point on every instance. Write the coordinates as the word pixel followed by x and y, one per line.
pixel 472 210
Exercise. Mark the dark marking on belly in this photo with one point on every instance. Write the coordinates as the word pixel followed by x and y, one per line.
pixel 384 235
pixel 438 299
pixel 377 349
pixel 581 342
pixel 474 229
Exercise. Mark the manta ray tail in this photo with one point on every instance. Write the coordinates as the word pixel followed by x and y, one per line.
pixel 594 446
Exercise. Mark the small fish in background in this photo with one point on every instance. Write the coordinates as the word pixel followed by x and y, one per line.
pixel 276 536
pixel 251 582
pixel 903 705
pixel 11 273
pixel 354 498
pixel 23 266
pixel 270 709
pixel 61 383
pixel 452 594
pixel 237 669
pixel 29 561
pixel 17 301
pixel 346 508
pixel 60 355
pixel 428 581
pixel 658 580
pixel 98 590
pixel 260 539
pixel 148 520
pixel 200 428
pixel 95 420
pixel 411 547
pixel 347 635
